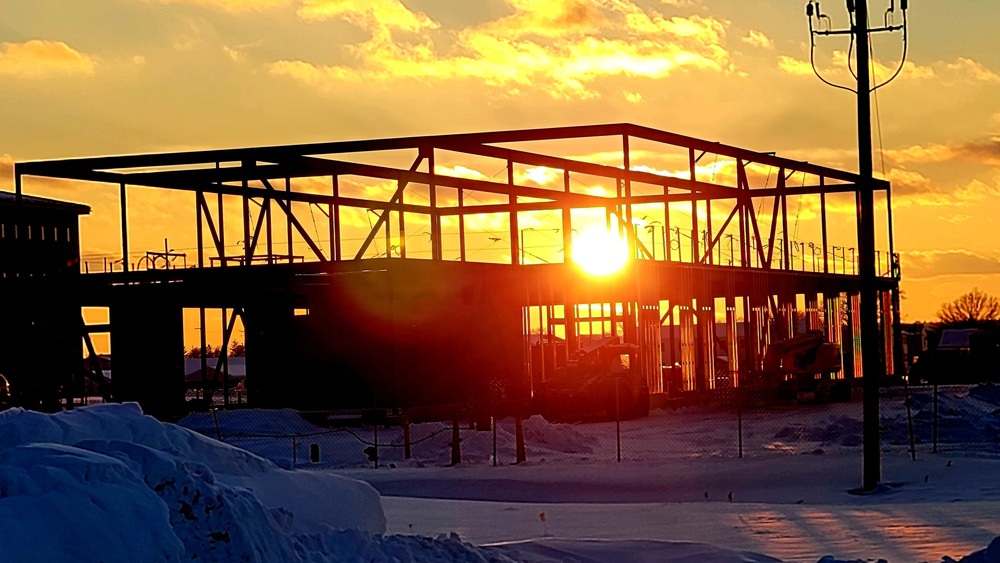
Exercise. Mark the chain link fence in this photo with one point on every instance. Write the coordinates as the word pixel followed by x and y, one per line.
pixel 913 421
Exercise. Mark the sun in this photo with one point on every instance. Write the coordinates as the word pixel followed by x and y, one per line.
pixel 600 252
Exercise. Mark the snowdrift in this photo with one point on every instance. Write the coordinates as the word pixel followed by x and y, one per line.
pixel 118 485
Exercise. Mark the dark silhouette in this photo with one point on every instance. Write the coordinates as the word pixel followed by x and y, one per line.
pixel 975 309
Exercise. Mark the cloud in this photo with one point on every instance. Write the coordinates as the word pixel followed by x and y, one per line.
pixel 548 19
pixel 234 6
pixel 974 69
pixel 559 47
pixel 838 70
pixel 633 97
pixel 459 171
pixel 960 71
pixel 981 151
pixel 913 188
pixel 758 39
pixel 235 54
pixel 371 15
pixel 6 171
pixel 977 190
pixel 955 219
pixel 933 263
pixel 39 57
pixel 794 66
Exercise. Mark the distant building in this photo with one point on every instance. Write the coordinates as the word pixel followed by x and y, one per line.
pixel 39 236
pixel 39 299
pixel 956 355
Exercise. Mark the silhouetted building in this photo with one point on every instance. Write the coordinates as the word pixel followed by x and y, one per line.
pixel 40 306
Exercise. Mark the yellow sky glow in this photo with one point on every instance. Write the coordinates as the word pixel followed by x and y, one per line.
pixel 161 75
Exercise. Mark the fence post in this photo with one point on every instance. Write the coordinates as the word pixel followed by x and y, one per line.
pixel 493 422
pixel 375 433
pixel 618 420
pixel 406 437
pixel 218 431
pixel 456 448
pixel 909 418
pixel 520 455
pixel 294 454
pixel 934 448
pixel 739 418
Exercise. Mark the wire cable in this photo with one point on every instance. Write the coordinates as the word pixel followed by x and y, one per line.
pixel 878 116
pixel 812 61
pixel 902 59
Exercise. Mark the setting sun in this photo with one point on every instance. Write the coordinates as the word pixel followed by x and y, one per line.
pixel 600 252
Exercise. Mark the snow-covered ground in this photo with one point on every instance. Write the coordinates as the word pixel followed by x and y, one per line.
pixel 967 425
pixel 106 483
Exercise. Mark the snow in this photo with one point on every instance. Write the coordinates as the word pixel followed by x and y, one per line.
pixel 120 486
pixel 123 486
pixel 969 422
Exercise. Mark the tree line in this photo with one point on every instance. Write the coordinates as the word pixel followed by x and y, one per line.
pixel 236 350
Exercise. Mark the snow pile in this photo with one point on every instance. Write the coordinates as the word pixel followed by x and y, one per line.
pixel 120 485
pixel 965 417
pixel 107 483
pixel 968 418
pixel 95 503
pixel 839 430
pixel 562 438
pixel 989 555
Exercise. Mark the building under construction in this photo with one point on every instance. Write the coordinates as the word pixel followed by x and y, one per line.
pixel 398 272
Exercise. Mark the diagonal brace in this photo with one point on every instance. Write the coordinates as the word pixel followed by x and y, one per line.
pixel 384 217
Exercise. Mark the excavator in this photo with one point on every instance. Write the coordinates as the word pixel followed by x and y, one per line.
pixel 802 367
pixel 598 381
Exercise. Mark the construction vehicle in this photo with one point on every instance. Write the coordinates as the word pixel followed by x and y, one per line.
pixel 598 381
pixel 802 368
pixel 5 400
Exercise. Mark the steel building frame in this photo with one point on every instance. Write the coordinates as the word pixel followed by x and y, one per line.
pixel 761 272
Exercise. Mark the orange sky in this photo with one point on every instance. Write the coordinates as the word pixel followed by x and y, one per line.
pixel 92 77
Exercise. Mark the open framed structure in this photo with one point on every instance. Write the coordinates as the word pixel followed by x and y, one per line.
pixel 410 312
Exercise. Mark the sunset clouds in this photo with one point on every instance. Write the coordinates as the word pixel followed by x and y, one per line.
pixel 36 58
pixel 985 151
pixel 561 47
pixel 91 77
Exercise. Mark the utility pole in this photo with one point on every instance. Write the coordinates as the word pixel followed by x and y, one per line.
pixel 871 358
pixel 871 361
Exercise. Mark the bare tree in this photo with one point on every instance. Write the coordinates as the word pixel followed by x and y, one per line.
pixel 973 309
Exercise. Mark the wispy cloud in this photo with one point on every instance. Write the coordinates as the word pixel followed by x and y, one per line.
pixel 981 151
pixel 974 69
pixel 372 15
pixel 234 6
pixel 955 219
pixel 39 57
pixel 837 68
pixel 913 188
pixel 791 65
pixel 962 70
pixel 933 263
pixel 758 39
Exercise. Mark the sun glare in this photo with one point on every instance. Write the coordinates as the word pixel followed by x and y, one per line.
pixel 600 252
